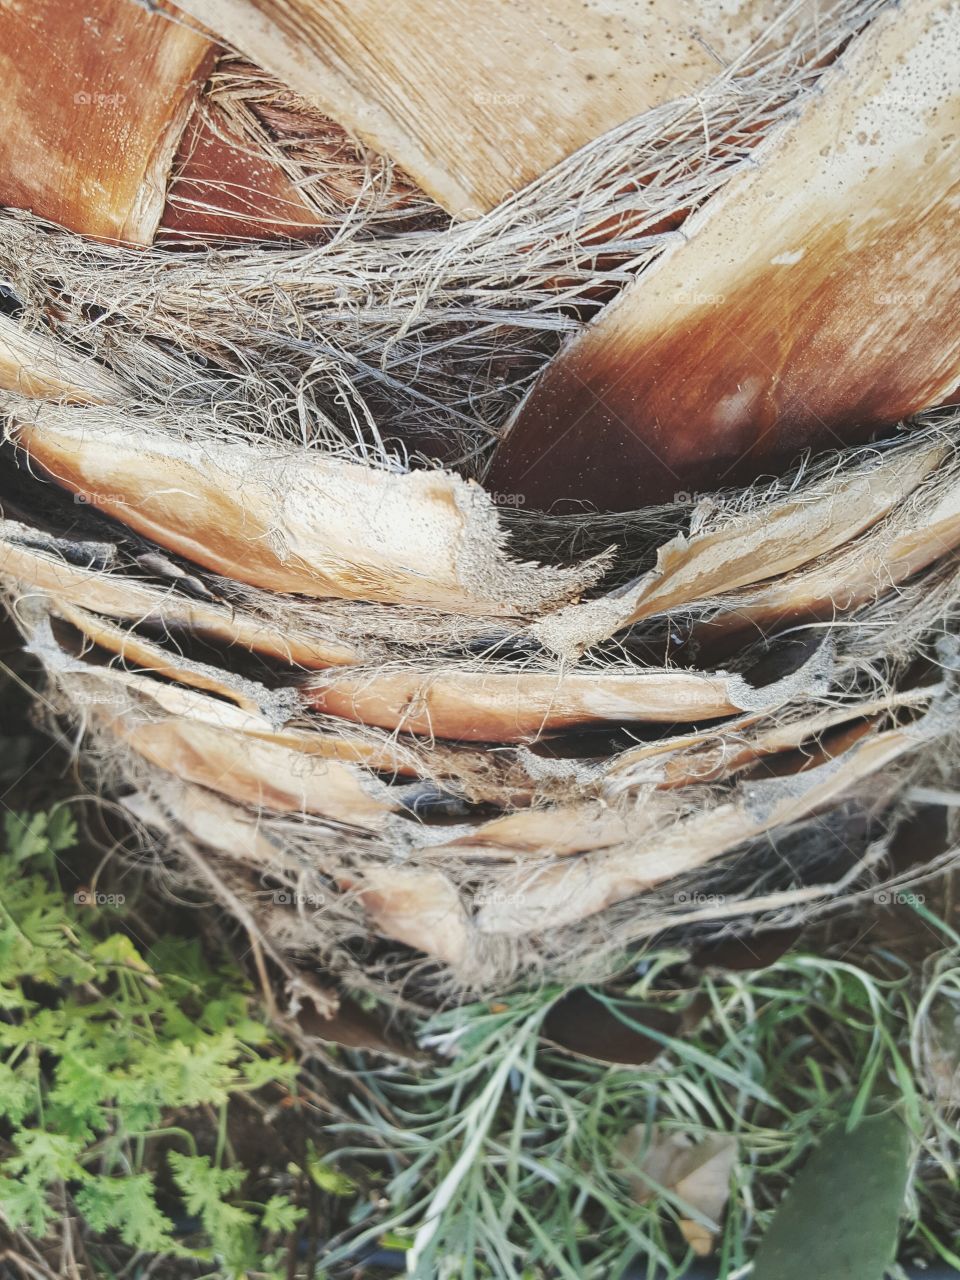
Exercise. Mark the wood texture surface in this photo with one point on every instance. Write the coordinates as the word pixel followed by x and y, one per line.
pixel 475 98
pixel 496 706
pixel 30 569
pixel 95 97
pixel 222 186
pixel 814 299
pixel 299 522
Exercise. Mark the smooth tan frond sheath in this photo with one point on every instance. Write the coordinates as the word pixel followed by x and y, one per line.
pixel 487 705
pixel 813 299
pixel 300 522
pixel 492 706
pixel 419 907
pixel 33 364
pixel 96 96
pixel 476 98
pixel 536 834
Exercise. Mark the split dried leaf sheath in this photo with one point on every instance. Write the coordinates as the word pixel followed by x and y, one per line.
pixel 510 89
pixel 99 93
pixel 812 300
pixel 298 522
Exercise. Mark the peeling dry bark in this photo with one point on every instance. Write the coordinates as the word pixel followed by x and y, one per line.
pixel 100 93
pixel 516 88
pixel 763 544
pixel 262 775
pixel 709 756
pixel 299 522
pixel 917 537
pixel 30 569
pixel 409 746
pixel 492 706
pixel 418 907
pixel 235 728
pixel 142 655
pixel 712 756
pixel 581 887
pixel 812 300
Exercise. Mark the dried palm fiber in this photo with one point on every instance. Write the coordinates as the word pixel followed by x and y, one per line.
pixel 259 160
pixel 375 345
pixel 460 124
pixel 398 721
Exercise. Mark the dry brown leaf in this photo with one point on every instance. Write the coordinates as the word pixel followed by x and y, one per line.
pixel 698 1173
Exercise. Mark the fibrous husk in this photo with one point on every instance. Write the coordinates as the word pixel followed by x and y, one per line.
pixel 296 523
pixel 392 719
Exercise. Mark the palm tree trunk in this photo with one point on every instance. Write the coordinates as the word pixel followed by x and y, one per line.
pixel 482 478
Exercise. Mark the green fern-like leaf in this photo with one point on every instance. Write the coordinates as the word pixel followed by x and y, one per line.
pixel 205 1188
pixel 281 1215
pixel 127 1205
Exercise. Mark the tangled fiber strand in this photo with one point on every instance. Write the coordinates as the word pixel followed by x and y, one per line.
pixel 430 335
pixel 460 862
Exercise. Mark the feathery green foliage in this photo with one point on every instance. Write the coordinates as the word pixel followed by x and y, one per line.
pixel 100 1045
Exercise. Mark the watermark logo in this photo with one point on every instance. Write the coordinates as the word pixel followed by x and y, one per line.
pixel 898 898
pixel 483 99
pixel 507 499
pixel 100 500
pixel 686 498
pixel 691 298
pixel 690 898
pixel 497 899
pixel 94 698
pixel 290 898
pixel 85 99
pixel 901 298
pixel 85 897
